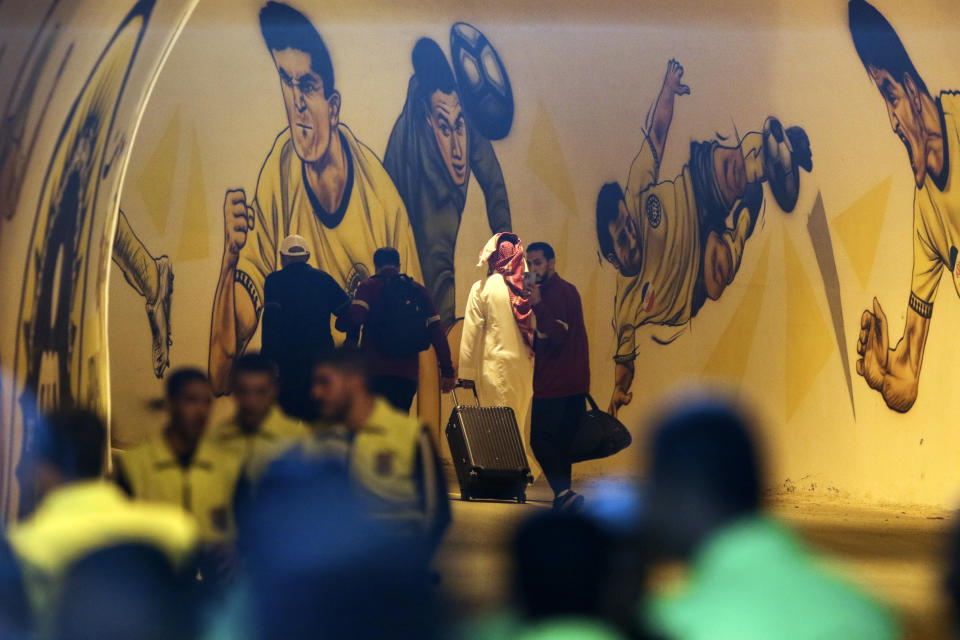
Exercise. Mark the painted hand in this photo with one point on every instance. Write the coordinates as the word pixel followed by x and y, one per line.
pixel 673 79
pixel 237 221
pixel 873 346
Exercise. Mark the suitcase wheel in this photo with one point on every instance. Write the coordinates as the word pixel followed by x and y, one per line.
pixel 465 496
pixel 522 498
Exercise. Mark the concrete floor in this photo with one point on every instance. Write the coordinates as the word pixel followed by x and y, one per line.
pixel 897 553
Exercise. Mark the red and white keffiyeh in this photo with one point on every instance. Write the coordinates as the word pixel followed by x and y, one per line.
pixel 504 252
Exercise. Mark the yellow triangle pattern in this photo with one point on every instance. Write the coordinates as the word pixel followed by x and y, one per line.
pixel 155 182
pixel 195 234
pixel 858 228
pixel 809 340
pixel 546 161
pixel 728 361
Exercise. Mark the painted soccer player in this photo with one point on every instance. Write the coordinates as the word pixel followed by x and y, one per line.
pixel 669 240
pixel 930 131
pixel 319 181
pixel 432 151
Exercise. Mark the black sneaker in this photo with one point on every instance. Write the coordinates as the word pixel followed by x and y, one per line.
pixel 568 501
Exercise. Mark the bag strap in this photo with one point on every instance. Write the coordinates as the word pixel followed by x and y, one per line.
pixel 592 403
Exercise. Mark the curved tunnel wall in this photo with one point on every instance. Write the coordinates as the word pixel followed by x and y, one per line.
pixel 782 333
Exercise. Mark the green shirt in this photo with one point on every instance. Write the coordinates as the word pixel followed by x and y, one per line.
pixel 755 580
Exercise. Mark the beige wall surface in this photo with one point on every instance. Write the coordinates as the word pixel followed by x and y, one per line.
pixel 783 334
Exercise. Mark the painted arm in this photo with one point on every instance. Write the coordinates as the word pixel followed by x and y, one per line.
pixel 234 315
pixel 663 109
pixel 486 167
pixel 622 379
pixel 895 372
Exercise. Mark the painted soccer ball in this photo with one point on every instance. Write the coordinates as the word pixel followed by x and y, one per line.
pixel 483 81
pixel 782 174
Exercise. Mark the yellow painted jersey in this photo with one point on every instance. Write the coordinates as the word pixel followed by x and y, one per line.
pixel 665 214
pixel 936 213
pixel 373 216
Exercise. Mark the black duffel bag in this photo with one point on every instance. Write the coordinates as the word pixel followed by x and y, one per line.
pixel 598 435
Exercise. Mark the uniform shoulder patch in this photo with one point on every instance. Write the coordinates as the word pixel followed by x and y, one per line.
pixel 654 210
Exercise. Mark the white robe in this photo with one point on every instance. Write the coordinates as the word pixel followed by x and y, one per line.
pixel 494 356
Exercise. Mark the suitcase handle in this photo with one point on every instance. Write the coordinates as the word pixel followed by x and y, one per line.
pixel 459 385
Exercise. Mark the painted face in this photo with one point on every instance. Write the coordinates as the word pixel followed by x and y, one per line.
pixel 253 393
pixel 538 264
pixel 312 117
pixel 904 120
pixel 332 393
pixel 191 409
pixel 628 256
pixel 446 120
pixel 731 172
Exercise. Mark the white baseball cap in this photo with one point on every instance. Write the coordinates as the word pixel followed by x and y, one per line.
pixel 294 246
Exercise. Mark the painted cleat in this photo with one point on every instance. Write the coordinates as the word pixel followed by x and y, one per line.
pixel 158 314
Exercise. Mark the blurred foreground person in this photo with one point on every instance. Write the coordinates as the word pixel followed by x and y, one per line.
pixel 317 566
pixel 80 513
pixel 258 425
pixel 574 576
pixel 393 465
pixel 126 591
pixel 179 465
pixel 750 577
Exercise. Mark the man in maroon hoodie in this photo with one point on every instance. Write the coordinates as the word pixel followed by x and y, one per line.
pixel 561 377
pixel 391 375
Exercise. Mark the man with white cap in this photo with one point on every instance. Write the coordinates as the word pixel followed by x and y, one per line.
pixel 298 303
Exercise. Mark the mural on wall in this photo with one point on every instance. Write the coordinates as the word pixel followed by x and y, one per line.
pixel 318 181
pixel 59 360
pixel 443 135
pixel 17 140
pixel 152 278
pixel 930 132
pixel 669 240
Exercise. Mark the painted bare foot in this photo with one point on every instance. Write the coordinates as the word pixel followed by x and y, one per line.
pixel 158 314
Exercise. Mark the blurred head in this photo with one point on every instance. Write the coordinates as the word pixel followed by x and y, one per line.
pixel 339 381
pixel 335 563
pixel 704 474
pixel 71 446
pixel 189 398
pixel 125 591
pixel 541 260
pixel 253 386
pixel 386 257
pixel 306 79
pixel 892 70
pixel 561 565
pixel 617 231
pixel 441 101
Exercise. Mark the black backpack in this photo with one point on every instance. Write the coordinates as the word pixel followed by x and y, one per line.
pixel 397 323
